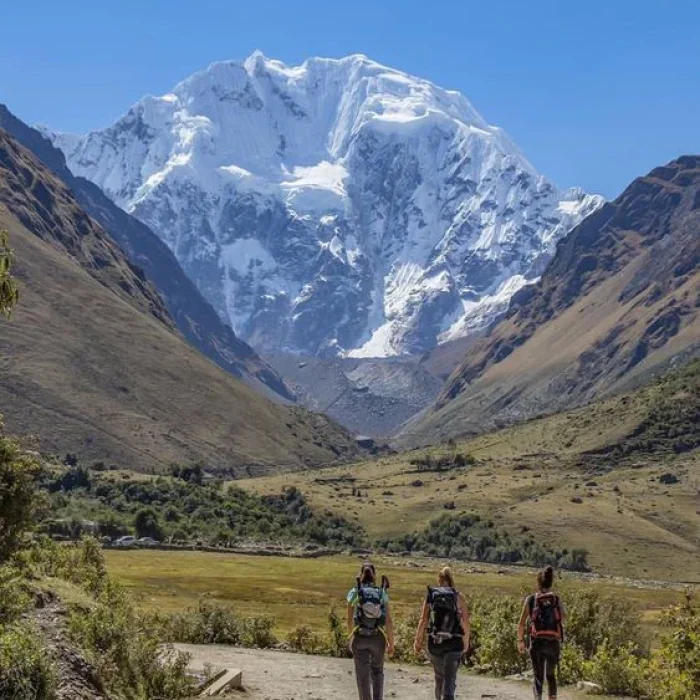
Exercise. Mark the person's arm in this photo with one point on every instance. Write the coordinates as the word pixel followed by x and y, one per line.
pixel 351 618
pixel 389 632
pixel 521 626
pixel 422 626
pixel 562 610
pixel 465 619
pixel 352 601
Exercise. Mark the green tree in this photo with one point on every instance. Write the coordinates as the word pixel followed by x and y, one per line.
pixel 19 499
pixel 9 294
pixel 147 524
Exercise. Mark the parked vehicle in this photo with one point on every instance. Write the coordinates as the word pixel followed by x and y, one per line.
pixel 126 541
pixel 147 542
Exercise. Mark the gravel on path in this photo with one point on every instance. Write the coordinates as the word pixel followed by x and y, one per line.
pixel 277 675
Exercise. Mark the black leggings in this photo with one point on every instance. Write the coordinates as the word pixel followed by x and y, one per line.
pixel 545 657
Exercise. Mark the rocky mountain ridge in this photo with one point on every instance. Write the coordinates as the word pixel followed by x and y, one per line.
pixel 335 208
pixel 619 303
pixel 92 364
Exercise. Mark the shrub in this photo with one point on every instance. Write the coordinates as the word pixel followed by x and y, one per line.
pixel 592 619
pixel 205 624
pixel 303 639
pixel 13 598
pixel 209 623
pixel 571 665
pixel 404 634
pixel 337 636
pixel 26 671
pixel 495 621
pixel 18 498
pixel 257 632
pixel 674 671
pixel 618 670
pixel 125 651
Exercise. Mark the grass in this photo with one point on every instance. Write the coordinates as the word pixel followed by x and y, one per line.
pixel 552 475
pixel 302 591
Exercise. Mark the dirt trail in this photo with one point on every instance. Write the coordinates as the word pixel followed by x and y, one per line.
pixel 274 675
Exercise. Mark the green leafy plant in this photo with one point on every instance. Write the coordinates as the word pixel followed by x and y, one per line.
pixel 26 670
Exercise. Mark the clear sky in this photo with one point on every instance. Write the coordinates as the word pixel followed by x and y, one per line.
pixel 594 92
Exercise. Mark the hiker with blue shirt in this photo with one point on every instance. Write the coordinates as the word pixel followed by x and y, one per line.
pixel 370 631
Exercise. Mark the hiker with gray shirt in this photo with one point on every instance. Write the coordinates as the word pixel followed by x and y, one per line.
pixel 370 631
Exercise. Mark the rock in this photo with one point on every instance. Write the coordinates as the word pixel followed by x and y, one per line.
pixel 229 680
pixel 668 478
pixel 589 688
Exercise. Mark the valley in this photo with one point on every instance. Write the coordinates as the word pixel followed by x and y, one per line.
pixel 592 478
pixel 284 318
pixel 302 591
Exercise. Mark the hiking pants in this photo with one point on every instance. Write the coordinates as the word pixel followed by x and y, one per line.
pixel 446 667
pixel 368 655
pixel 545 657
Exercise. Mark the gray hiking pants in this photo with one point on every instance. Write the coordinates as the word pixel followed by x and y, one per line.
pixel 446 667
pixel 368 655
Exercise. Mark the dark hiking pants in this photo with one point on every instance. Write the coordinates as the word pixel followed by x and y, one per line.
pixel 545 657
pixel 446 667
pixel 368 655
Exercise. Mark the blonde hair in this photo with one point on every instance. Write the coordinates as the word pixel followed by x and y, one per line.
pixel 446 577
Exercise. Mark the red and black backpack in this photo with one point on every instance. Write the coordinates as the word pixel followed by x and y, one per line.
pixel 545 617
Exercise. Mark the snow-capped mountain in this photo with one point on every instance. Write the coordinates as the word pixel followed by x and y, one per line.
pixel 337 207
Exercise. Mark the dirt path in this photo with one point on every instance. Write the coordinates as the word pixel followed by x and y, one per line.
pixel 274 675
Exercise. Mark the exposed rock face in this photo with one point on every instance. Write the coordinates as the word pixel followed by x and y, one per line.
pixel 619 302
pixel 335 208
pixel 194 317
pixel 372 397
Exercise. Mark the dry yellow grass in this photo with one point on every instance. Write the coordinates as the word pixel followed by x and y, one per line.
pixel 534 475
pixel 302 591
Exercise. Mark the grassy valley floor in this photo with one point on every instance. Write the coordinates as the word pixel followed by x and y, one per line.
pixel 302 591
pixel 619 478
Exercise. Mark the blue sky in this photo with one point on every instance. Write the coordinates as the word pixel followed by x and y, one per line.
pixel 594 92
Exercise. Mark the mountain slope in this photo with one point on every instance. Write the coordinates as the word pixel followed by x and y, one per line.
pixel 619 302
pixel 618 477
pixel 337 207
pixel 194 317
pixel 91 363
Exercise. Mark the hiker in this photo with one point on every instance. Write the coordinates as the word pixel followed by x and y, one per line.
pixel 545 614
pixel 370 631
pixel 445 616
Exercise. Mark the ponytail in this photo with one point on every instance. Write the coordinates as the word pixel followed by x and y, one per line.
pixel 545 578
pixel 446 577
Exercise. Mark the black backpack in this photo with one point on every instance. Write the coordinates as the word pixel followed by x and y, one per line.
pixel 370 613
pixel 444 614
pixel 545 617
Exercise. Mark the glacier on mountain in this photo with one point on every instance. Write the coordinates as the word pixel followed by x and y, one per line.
pixel 334 208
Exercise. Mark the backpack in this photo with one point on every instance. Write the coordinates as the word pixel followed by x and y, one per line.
pixel 444 614
pixel 545 617
pixel 370 613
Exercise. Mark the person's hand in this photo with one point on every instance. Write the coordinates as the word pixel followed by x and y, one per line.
pixel 521 646
pixel 418 647
pixel 390 648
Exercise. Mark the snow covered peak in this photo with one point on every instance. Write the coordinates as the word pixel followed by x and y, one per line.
pixel 339 206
